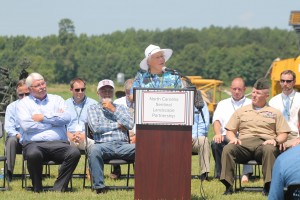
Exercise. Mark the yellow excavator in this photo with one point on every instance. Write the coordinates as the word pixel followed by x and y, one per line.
pixel 210 89
pixel 293 64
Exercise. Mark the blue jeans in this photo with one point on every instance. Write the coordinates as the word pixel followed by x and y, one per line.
pixel 106 151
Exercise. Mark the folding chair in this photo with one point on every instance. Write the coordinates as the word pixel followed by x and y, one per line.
pixel 82 175
pixel 238 177
pixel 47 164
pixel 89 134
pixel 292 192
pixel 5 185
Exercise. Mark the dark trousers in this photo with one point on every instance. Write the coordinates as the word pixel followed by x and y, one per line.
pixel 61 152
pixel 217 150
pixel 12 147
pixel 251 149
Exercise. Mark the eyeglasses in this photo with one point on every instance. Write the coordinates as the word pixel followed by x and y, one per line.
pixel 79 89
pixel 287 81
pixel 23 94
pixel 39 85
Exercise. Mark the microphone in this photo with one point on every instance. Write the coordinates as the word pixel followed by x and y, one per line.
pixel 165 69
pixel 199 103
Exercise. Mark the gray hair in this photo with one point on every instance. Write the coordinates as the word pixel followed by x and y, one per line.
pixel 33 76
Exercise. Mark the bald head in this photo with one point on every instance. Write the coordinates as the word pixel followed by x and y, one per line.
pixel 237 88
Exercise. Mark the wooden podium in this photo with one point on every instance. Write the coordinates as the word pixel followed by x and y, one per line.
pixel 163 151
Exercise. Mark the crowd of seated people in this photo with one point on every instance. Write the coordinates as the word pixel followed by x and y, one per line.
pixel 46 127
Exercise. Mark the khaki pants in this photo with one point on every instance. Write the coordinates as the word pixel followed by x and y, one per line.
pixel 201 146
pixel 251 149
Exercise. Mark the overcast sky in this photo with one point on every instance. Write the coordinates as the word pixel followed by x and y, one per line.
pixel 95 17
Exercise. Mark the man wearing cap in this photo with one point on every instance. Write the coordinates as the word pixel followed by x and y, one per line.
pixel 153 73
pixel 288 102
pixel 13 129
pixel 261 129
pixel 109 123
pixel 43 120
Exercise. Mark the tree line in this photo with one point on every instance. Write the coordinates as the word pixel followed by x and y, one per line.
pixel 213 52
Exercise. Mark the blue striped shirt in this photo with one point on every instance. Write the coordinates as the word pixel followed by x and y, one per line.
pixel 104 123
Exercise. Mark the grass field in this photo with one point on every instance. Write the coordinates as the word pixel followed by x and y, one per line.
pixel 212 189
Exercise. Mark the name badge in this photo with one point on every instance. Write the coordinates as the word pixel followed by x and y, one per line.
pixel 78 128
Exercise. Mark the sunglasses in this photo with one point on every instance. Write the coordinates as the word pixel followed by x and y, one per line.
pixel 79 89
pixel 287 81
pixel 23 94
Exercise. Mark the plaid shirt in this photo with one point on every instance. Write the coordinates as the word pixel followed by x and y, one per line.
pixel 104 123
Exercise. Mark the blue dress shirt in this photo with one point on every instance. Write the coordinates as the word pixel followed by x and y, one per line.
pixel 78 113
pixel 11 125
pixel 53 126
pixel 199 127
pixel 286 171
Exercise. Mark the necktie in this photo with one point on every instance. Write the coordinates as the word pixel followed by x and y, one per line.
pixel 287 108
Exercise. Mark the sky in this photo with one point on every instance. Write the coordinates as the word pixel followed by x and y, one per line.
pixel 38 18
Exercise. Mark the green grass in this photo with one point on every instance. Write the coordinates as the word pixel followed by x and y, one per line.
pixel 213 189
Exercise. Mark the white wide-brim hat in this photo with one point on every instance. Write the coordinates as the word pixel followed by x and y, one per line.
pixel 152 49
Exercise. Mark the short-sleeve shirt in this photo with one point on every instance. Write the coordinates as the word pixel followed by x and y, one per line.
pixel 265 123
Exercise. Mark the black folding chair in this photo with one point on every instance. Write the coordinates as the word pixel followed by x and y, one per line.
pixel 238 177
pixel 5 184
pixel 112 162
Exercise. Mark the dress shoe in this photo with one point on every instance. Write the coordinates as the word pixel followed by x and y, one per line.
pixel 116 172
pixel 228 191
pixel 101 190
pixel 204 176
pixel 9 176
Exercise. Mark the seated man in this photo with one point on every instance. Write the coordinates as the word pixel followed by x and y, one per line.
pixel 43 121
pixel 261 129
pixel 77 106
pixel 286 170
pixel 200 143
pixel 124 100
pixel 13 130
pixel 109 123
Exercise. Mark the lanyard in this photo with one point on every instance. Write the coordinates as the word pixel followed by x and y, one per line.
pixel 234 102
pixel 78 115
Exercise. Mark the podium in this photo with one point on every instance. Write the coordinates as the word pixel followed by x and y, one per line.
pixel 164 120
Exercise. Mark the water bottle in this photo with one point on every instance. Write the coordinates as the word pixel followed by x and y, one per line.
pixel 2 173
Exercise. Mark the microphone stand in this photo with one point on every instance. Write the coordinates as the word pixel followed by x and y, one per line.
pixel 190 85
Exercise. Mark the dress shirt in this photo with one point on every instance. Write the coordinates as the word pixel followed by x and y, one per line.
pixel 164 80
pixel 78 113
pixel 11 125
pixel 286 171
pixel 278 103
pixel 226 108
pixel 53 126
pixel 104 123
pixel 199 127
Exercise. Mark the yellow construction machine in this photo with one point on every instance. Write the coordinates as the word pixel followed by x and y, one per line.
pixel 291 63
pixel 210 89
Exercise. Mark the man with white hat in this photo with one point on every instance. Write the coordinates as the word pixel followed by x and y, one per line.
pixel 109 123
pixel 154 74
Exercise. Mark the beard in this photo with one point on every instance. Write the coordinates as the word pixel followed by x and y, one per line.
pixel 107 99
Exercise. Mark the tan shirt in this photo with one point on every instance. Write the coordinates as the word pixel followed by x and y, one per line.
pixel 265 123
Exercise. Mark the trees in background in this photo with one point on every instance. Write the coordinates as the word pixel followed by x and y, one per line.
pixel 213 52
